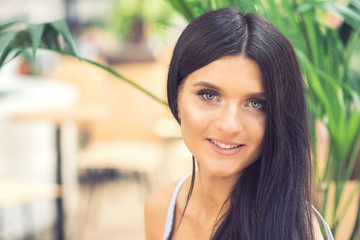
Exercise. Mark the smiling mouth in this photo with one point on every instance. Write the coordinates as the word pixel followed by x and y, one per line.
pixel 225 146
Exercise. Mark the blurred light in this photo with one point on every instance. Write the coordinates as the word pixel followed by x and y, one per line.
pixel 167 128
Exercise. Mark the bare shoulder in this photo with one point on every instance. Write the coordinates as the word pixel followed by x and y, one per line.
pixel 316 227
pixel 156 207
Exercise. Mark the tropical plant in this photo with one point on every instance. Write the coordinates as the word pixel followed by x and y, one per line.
pixel 157 15
pixel 326 54
pixel 17 37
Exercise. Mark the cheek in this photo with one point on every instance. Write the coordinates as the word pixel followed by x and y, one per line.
pixel 260 129
pixel 195 120
pixel 257 133
pixel 255 124
pixel 254 129
pixel 191 118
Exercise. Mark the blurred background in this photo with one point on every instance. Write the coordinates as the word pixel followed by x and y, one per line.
pixel 84 139
pixel 112 143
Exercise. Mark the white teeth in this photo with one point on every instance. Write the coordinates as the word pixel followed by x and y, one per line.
pixel 222 145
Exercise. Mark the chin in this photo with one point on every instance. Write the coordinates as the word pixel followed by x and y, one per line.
pixel 224 173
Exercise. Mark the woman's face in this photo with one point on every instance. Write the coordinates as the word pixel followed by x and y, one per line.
pixel 222 111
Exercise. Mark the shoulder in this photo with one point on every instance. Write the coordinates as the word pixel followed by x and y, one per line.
pixel 317 230
pixel 156 207
pixel 317 221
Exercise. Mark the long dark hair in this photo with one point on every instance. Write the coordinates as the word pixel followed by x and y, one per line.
pixel 270 200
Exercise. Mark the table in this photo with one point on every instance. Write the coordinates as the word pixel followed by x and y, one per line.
pixel 24 98
pixel 79 114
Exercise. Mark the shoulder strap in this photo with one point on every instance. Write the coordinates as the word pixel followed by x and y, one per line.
pixel 329 235
pixel 171 209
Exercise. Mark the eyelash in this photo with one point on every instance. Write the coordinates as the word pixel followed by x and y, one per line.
pixel 261 102
pixel 203 93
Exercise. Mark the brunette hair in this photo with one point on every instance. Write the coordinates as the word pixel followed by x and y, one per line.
pixel 270 200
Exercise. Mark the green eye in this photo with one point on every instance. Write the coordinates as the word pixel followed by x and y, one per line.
pixel 255 104
pixel 209 96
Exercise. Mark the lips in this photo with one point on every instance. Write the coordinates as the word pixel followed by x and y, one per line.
pixel 225 147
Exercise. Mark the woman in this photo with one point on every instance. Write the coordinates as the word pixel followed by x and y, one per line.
pixel 235 87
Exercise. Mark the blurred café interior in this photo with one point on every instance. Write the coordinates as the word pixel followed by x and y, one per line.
pixel 79 148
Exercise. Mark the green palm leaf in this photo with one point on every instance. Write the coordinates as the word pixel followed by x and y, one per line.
pixel 48 36
pixel 36 31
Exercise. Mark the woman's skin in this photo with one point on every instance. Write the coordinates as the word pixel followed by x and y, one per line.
pixel 221 106
pixel 222 109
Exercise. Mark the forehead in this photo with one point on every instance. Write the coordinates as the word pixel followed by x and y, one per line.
pixel 231 73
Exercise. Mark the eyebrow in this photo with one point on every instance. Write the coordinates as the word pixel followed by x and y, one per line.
pixel 212 86
pixel 206 84
pixel 259 95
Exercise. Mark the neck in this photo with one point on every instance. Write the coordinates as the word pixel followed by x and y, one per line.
pixel 207 204
pixel 211 192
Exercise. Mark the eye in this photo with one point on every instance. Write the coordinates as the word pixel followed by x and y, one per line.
pixel 256 104
pixel 208 96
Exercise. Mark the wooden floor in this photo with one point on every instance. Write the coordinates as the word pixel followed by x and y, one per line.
pixel 112 210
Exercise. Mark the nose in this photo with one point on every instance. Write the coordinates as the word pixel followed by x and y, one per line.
pixel 229 121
